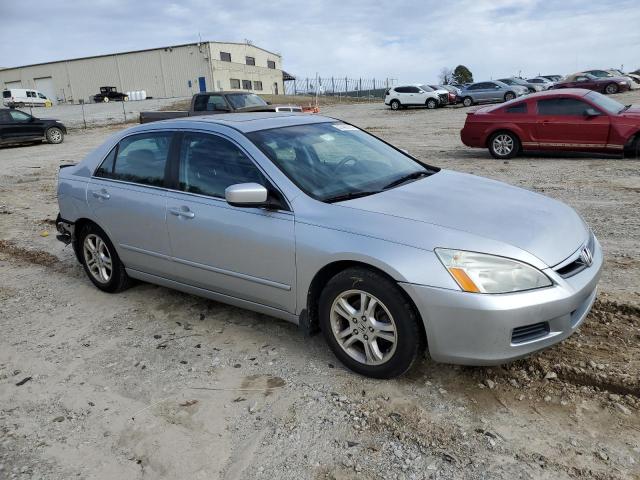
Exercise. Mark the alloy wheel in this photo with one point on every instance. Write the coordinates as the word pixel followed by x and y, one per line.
pixel 55 135
pixel 363 327
pixel 98 258
pixel 503 144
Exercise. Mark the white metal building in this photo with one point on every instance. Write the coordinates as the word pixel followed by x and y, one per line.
pixel 176 71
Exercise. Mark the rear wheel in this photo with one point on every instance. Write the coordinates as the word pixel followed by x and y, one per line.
pixel 504 145
pixel 100 260
pixel 611 88
pixel 467 101
pixel 105 99
pixel 54 135
pixel 369 324
pixel 509 96
pixel 432 103
pixel 395 104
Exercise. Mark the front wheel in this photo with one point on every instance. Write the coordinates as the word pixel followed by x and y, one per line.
pixel 369 324
pixel 504 145
pixel 395 104
pixel 54 135
pixel 509 96
pixel 105 99
pixel 100 260
pixel 611 88
pixel 467 102
pixel 431 104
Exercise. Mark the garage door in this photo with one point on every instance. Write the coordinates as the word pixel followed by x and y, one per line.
pixel 16 84
pixel 45 85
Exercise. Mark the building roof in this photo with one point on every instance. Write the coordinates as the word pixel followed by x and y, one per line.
pixel 195 44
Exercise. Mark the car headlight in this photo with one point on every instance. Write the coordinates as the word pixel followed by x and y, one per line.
pixel 481 273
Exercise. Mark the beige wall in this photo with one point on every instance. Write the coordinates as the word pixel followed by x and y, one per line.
pixel 163 72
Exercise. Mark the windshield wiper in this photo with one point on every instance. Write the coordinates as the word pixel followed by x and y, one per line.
pixel 350 196
pixel 406 178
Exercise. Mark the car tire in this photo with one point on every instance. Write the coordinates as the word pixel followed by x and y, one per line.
pixel 504 145
pixel 509 96
pixel 20 104
pixel 100 260
pixel 395 105
pixel 383 342
pixel 125 99
pixel 611 89
pixel 432 103
pixel 54 135
pixel 467 101
pixel 105 99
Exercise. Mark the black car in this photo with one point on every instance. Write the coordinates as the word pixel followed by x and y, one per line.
pixel 110 94
pixel 19 127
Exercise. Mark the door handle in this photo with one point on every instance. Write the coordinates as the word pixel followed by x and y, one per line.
pixel 101 194
pixel 182 212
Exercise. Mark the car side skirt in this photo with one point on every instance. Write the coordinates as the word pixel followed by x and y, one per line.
pixel 606 146
pixel 218 297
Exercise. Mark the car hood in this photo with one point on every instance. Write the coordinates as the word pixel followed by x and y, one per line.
pixel 539 225
pixel 632 112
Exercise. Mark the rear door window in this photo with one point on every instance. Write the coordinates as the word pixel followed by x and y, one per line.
pixel 138 159
pixel 6 94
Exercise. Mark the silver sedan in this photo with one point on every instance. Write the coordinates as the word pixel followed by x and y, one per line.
pixel 315 221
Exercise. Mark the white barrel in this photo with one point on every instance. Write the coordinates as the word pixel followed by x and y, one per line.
pixel 143 95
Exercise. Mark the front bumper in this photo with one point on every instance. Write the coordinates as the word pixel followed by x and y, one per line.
pixel 478 329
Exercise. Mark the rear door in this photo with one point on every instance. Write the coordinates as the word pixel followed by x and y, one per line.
pixel 245 253
pixel 561 124
pixel 127 195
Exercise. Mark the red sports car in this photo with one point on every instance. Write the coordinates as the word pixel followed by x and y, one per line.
pixel 566 120
pixel 607 85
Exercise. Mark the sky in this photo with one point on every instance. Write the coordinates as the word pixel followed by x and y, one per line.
pixel 410 41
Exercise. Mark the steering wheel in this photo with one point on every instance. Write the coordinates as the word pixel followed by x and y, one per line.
pixel 344 161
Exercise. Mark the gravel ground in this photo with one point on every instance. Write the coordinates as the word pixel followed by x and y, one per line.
pixel 153 383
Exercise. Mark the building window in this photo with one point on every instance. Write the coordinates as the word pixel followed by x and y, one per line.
pixel 225 56
pixel 246 84
pixel 271 64
pixel 235 83
pixel 250 60
pixel 257 85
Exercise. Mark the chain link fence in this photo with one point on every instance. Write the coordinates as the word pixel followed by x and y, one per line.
pixel 351 89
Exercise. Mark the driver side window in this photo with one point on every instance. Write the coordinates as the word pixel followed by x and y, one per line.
pixel 18 116
pixel 209 164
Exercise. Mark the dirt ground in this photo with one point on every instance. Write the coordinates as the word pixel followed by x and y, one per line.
pixel 156 384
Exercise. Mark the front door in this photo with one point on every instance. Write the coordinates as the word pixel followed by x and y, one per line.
pixel 22 126
pixel 562 123
pixel 202 84
pixel 128 200
pixel 245 253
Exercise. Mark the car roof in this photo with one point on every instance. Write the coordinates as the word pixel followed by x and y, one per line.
pixel 571 92
pixel 247 122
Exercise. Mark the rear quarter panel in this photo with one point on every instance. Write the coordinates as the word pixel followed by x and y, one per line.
pixel 480 126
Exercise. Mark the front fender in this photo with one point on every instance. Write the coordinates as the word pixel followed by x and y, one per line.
pixel 317 247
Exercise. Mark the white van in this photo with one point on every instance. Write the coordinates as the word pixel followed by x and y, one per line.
pixel 20 97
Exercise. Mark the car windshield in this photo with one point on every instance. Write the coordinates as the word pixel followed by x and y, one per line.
pixel 336 161
pixel 606 103
pixel 243 100
pixel 426 88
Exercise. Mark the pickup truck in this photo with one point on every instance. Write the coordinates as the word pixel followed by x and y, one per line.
pixel 209 103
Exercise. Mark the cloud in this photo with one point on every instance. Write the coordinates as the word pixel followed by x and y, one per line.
pixel 406 40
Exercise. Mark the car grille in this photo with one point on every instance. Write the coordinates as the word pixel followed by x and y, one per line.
pixel 530 332
pixel 577 265
pixel 444 98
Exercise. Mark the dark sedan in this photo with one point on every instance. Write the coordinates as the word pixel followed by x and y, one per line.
pixel 20 127
pixel 607 85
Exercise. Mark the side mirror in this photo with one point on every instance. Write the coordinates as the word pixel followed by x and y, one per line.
pixel 268 103
pixel 591 112
pixel 32 119
pixel 246 195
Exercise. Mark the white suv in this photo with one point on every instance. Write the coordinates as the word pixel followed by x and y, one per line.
pixel 407 95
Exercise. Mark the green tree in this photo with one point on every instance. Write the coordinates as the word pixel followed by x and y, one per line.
pixel 462 75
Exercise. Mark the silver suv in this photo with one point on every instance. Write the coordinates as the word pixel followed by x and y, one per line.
pixel 315 221
pixel 491 92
